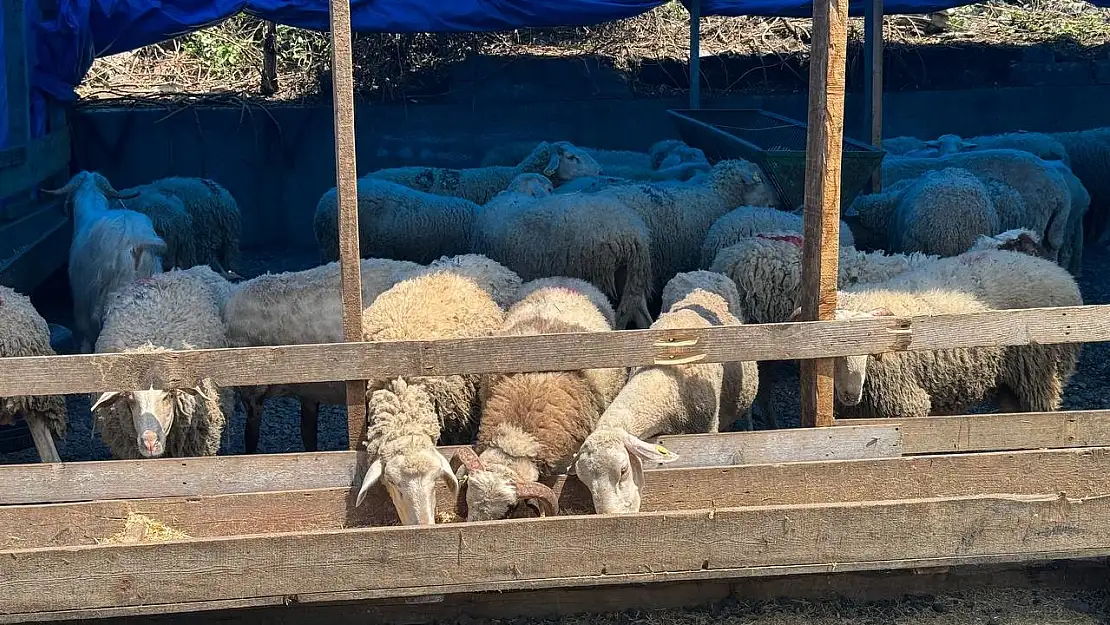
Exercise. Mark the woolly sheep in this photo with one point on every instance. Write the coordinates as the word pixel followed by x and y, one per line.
pixel 746 221
pixel 1041 145
pixel 396 221
pixel 596 297
pixel 1017 240
pixel 407 417
pixel 942 212
pixel 897 146
pixel 580 236
pixel 591 184
pixel 109 249
pixel 678 215
pixel 1044 193
pixel 170 220
pixel 169 311
pixel 499 281
pixel 217 220
pixel 665 399
pixel 1071 254
pixel 533 423
pixel 23 332
pixel 299 308
pixel 673 161
pixel 919 383
pixel 1089 157
pixel 559 161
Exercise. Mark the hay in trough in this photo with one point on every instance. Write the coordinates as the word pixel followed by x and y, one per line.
pixel 139 528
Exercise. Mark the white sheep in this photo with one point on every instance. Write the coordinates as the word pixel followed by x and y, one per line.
pixel 407 417
pixel 1046 201
pixel 499 281
pixel 23 332
pixel 920 383
pixel 1041 145
pixel 578 235
pixel 396 221
pixel 941 212
pixel 559 161
pixel 747 221
pixel 679 214
pixel 1071 254
pixel 170 220
pixel 109 249
pixel 666 399
pixel 533 423
pixel 169 311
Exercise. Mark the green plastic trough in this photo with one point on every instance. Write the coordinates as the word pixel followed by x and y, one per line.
pixel 777 144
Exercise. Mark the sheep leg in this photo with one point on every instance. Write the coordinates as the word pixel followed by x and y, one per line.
pixel 44 441
pixel 253 402
pixel 766 407
pixel 310 420
pixel 642 316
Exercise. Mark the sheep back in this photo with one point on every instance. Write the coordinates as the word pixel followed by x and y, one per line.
pixel 23 332
pixel 747 221
pixel 217 220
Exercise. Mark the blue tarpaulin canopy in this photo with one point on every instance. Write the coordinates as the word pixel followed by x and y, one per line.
pixel 65 45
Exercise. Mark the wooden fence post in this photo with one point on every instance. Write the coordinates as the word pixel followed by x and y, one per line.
pixel 873 81
pixel 346 187
pixel 824 142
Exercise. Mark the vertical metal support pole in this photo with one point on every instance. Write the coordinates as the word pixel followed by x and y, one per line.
pixel 695 54
pixel 346 187
pixel 824 144
pixel 873 80
pixel 15 70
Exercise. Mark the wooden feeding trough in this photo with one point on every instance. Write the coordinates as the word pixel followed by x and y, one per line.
pixel 777 144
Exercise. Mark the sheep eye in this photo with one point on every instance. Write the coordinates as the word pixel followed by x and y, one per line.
pixel 624 470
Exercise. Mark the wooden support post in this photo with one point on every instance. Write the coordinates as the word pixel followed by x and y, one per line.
pixel 346 187
pixel 873 80
pixel 695 54
pixel 825 134
pixel 269 84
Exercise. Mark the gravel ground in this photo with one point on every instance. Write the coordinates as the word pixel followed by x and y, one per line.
pixel 281 429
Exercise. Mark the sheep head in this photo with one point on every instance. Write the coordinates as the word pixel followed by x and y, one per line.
pixel 532 185
pixel 850 372
pixel 401 440
pixel 742 183
pixel 610 465
pixel 91 177
pixel 565 161
pixel 494 492
pixel 152 414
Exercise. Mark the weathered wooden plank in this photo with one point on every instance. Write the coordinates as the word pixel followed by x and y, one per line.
pixel 824 144
pixel 552 352
pixel 770 446
pixel 133 479
pixel 561 551
pixel 999 432
pixel 1078 472
pixel 45 156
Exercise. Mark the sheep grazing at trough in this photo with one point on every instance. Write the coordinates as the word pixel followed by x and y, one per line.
pixel 109 249
pixel 23 332
pixel 678 215
pixel 175 310
pixel 748 221
pixel 1045 203
pixel 942 212
pixel 1025 378
pixel 559 161
pixel 1089 157
pixel 533 423
pixel 583 236
pixel 665 160
pixel 407 417
pixel 396 221
pixel 666 399
pixel 216 221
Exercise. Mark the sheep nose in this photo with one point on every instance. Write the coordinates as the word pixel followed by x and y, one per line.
pixel 150 441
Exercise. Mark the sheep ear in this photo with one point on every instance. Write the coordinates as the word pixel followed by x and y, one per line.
pixel 373 474
pixel 648 451
pixel 106 399
pixel 969 146
pixel 637 470
pixel 553 163
pixel 796 314
pixel 881 312
pixel 447 475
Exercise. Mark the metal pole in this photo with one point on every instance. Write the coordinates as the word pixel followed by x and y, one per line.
pixel 346 185
pixel 695 54
pixel 873 79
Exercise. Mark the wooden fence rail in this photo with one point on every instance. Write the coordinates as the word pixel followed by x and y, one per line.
pixel 359 361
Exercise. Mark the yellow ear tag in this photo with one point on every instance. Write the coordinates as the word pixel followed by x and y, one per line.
pixel 663 450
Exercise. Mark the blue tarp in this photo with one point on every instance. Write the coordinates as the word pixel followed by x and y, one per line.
pixel 66 45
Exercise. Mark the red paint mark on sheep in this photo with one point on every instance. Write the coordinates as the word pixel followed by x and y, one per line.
pixel 789 238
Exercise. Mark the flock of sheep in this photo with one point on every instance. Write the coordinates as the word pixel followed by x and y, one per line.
pixel 549 237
